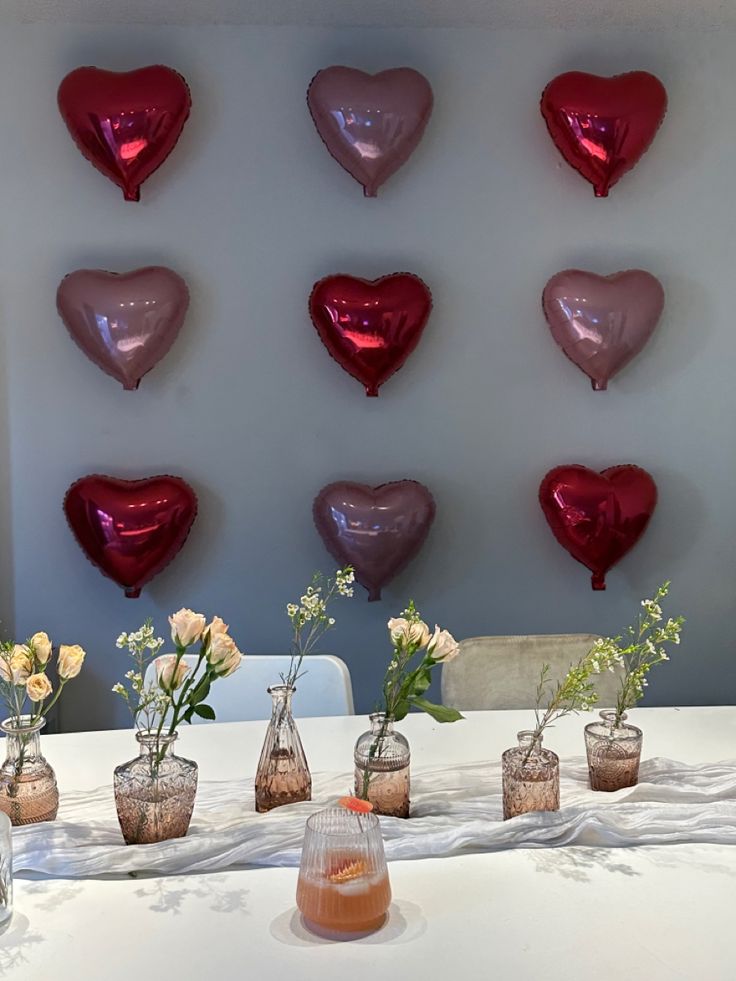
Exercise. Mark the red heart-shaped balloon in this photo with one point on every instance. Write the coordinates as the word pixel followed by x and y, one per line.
pixel 124 322
pixel 602 126
pixel 130 529
pixel 125 123
pixel 370 327
pixel 598 517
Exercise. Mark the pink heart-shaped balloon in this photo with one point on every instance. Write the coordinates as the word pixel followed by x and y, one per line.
pixel 598 517
pixel 124 322
pixel 371 124
pixel 125 123
pixel 377 530
pixel 370 327
pixel 130 529
pixel 602 322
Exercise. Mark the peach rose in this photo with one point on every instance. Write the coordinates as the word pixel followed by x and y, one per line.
pixel 71 658
pixel 38 687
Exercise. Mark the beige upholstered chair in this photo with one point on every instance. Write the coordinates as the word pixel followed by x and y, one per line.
pixel 503 672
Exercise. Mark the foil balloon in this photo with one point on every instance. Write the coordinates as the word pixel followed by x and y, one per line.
pixel 377 530
pixel 371 124
pixel 598 517
pixel 130 529
pixel 602 322
pixel 124 322
pixel 602 126
pixel 370 327
pixel 125 123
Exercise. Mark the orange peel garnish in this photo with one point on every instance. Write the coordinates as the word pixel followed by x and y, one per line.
pixel 356 804
pixel 349 871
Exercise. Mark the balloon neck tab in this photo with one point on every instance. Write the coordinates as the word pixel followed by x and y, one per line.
pixel 601 190
pixel 132 193
pixel 374 595
pixel 369 191
pixel 132 592
pixel 598 581
pixel 371 391
pixel 599 386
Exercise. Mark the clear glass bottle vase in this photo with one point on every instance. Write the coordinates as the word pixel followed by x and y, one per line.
pixel 531 777
pixel 283 775
pixel 382 767
pixel 155 792
pixel 614 752
pixel 28 791
pixel 6 871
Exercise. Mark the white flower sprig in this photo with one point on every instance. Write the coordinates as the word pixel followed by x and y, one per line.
pixel 309 617
pixel 639 651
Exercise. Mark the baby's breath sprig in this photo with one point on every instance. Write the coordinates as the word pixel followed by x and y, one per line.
pixel 638 651
pixel 146 705
pixel 310 619
pixel 574 693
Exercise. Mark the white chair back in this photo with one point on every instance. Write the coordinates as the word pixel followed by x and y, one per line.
pixel 324 689
pixel 503 672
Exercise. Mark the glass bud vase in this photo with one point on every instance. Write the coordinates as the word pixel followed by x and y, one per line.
pixel 531 777
pixel 382 757
pixel 614 752
pixel 28 791
pixel 154 793
pixel 283 775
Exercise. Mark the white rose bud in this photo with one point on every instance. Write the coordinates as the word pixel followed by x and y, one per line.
pixel 443 646
pixel 186 627
pixel 170 675
pixel 41 646
pixel 223 654
pixel 38 687
pixel 71 659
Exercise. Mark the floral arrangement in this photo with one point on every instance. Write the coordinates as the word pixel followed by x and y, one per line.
pixel 24 677
pixel 574 693
pixel 638 651
pixel 309 617
pixel 182 686
pixel 416 652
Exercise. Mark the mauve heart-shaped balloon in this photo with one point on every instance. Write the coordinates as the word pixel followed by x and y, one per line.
pixel 598 517
pixel 371 124
pixel 602 126
pixel 377 530
pixel 602 322
pixel 370 327
pixel 124 322
pixel 130 529
pixel 125 123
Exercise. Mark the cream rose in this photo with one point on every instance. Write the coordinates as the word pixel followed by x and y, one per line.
pixel 223 654
pixel 404 633
pixel 217 626
pixel 443 646
pixel 71 659
pixel 186 627
pixel 38 687
pixel 16 665
pixel 169 674
pixel 41 646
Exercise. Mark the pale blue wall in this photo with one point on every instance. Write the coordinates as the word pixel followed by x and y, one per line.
pixel 251 410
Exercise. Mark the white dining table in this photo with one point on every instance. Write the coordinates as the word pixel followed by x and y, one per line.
pixel 645 913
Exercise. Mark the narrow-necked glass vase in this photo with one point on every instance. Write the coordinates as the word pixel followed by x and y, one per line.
pixel 531 777
pixel 154 793
pixel 382 761
pixel 283 775
pixel 614 752
pixel 28 791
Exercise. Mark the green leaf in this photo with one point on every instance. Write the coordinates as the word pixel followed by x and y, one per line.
pixel 400 710
pixel 440 713
pixel 201 691
pixel 205 712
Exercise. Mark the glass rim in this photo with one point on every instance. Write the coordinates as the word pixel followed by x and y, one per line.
pixel 151 736
pixel 369 817
pixel 279 688
pixel 22 723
